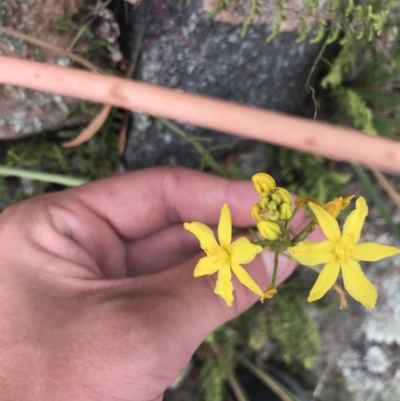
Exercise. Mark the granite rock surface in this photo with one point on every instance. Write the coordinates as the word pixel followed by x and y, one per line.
pixel 23 111
pixel 182 48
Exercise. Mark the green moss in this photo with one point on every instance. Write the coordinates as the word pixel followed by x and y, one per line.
pixel 217 365
pixel 293 329
pixel 286 321
pixel 94 159
pixel 307 175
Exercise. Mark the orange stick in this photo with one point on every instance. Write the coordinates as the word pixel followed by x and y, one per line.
pixel 262 125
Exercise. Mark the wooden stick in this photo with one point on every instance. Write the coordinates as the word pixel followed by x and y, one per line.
pixel 262 125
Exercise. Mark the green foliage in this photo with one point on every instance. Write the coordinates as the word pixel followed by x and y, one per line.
pixel 94 159
pixel 344 63
pixel 220 6
pixel 80 23
pixel 307 175
pixel 258 332
pixel 280 16
pixel 255 10
pixel 286 320
pixel 217 365
pixel 357 108
pixel 293 328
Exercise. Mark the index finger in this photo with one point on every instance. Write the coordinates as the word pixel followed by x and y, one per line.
pixel 141 203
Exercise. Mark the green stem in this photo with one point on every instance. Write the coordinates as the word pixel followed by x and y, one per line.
pixel 282 392
pixel 276 257
pixel 296 209
pixel 285 255
pixel 313 67
pixel 237 388
pixel 266 242
pixel 44 177
pixel 207 157
pixel 299 236
pixel 286 234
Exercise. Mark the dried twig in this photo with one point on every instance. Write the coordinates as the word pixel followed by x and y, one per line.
pixel 122 134
pixel 48 46
pixel 91 129
pixel 387 186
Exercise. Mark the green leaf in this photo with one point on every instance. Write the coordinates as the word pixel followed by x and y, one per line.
pixel 388 101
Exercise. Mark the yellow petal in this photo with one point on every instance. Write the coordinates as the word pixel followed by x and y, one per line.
pixel 263 182
pixel 269 229
pixel 224 286
pixel 225 227
pixel 268 293
pixel 371 251
pixel 312 253
pixel 255 212
pixel 242 251
pixel 325 281
pixel 335 206
pixel 203 233
pixel 205 266
pixel 355 220
pixel 284 194
pixel 357 284
pixel 346 201
pixel 246 279
pixel 328 224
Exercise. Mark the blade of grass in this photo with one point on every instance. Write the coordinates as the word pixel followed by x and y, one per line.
pixel 44 177
pixel 283 393
pixel 369 186
pixel 387 186
pixel 237 388
pixel 88 23
pixel 203 152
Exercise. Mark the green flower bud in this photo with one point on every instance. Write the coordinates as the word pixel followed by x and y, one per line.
pixel 268 229
pixel 264 200
pixel 255 212
pixel 276 198
pixel 267 214
pixel 285 211
pixel 263 183
pixel 272 205
pixel 284 194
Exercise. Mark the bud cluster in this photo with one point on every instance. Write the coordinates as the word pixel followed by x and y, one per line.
pixel 275 205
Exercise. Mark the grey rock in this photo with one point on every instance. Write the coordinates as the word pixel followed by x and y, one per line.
pixel 23 111
pixel 184 49
pixel 365 343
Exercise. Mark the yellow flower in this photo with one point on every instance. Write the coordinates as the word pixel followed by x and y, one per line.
pixel 341 251
pixel 224 256
pixel 263 182
pixel 335 206
pixel 269 229
pixel 269 293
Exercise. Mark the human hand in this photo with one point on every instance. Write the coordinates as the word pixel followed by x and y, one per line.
pixel 97 296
